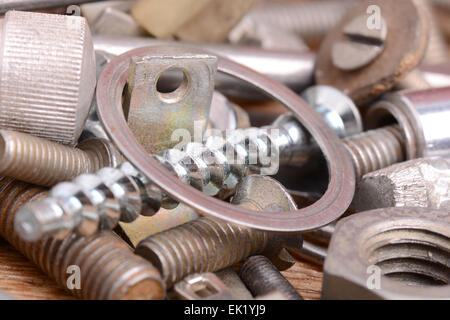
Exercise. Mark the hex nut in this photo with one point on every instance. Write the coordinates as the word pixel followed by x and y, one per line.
pixel 409 246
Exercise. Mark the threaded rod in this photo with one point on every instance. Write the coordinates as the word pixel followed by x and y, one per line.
pixel 109 269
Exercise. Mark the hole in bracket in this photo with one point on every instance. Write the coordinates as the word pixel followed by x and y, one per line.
pixel 172 85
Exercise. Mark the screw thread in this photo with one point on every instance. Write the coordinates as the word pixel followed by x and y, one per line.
pixel 311 20
pixel 262 277
pixel 203 245
pixel 108 268
pixel 376 149
pixel 47 162
pixel 35 55
pixel 89 203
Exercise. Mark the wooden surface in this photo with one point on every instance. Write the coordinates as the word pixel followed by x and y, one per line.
pixel 23 280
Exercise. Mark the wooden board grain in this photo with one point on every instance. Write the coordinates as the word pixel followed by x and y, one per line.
pixel 23 280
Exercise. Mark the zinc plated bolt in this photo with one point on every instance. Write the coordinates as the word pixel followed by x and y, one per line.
pixel 262 277
pixel 437 50
pixel 42 162
pixel 207 245
pixel 108 267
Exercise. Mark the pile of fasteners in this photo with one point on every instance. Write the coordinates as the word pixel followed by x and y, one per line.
pixel 130 169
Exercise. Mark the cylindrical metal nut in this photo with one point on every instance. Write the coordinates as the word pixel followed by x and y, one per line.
pixel 47 75
pixel 108 268
pixel 46 163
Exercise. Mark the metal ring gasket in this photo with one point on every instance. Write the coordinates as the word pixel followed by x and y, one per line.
pixel 331 206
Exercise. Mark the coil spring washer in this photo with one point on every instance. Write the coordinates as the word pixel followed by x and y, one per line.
pixel 331 206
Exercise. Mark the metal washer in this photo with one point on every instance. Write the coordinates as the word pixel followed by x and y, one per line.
pixel 331 206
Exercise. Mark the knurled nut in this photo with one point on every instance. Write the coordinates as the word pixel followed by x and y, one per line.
pixel 47 75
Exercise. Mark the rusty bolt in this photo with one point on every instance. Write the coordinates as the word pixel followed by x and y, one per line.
pixel 109 269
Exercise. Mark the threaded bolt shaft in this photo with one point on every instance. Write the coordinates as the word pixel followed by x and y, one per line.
pixel 98 201
pixel 376 149
pixel 109 269
pixel 261 277
pixel 208 244
pixel 42 162
pixel 203 245
pixel 437 50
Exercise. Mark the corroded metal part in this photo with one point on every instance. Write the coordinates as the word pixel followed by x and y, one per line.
pixel 292 68
pixel 207 245
pixel 390 253
pixel 59 91
pixel 401 53
pixel 423 182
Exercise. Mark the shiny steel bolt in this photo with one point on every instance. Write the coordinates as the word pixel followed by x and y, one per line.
pixel 108 268
pixel 262 277
pixel 47 75
pixel 99 201
pixel 42 162
pixel 207 245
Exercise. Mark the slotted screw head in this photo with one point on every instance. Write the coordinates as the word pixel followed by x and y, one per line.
pixel 47 75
